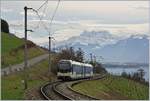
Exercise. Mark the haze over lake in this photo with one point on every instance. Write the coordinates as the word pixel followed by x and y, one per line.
pixel 118 69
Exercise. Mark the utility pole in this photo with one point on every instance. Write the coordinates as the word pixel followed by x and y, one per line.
pixel 91 57
pixel 25 49
pixel 94 58
pixel 49 65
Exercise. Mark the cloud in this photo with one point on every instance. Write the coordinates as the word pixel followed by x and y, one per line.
pixel 66 30
pixel 141 6
pixel 66 34
pixel 4 10
pixel 92 38
pixel 100 34
pixel 16 24
pixel 39 40
pixel 33 14
pixel 144 8
pixel 48 21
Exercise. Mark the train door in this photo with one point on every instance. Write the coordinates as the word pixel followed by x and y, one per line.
pixel 84 71
pixel 74 71
pixel 82 66
pixel 71 71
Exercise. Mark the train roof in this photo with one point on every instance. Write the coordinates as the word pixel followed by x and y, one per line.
pixel 76 63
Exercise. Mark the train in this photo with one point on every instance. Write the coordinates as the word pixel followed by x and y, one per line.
pixel 71 70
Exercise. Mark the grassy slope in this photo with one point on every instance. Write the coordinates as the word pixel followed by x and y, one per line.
pixel 113 87
pixel 10 57
pixel 12 88
pixel 10 42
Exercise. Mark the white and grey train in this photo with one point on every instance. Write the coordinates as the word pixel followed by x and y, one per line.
pixel 68 69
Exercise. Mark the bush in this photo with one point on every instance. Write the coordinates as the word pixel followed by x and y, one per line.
pixel 137 76
pixel 4 26
pixel 98 68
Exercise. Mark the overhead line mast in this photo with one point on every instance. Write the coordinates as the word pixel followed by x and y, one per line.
pixel 25 42
pixel 51 37
pixel 25 49
pixel 25 52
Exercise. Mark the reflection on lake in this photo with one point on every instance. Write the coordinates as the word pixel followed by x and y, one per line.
pixel 118 69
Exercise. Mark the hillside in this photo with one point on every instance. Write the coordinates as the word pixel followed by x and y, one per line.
pixel 10 42
pixel 13 89
pixel 13 50
pixel 114 88
pixel 13 53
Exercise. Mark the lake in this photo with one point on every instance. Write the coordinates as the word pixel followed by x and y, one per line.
pixel 118 69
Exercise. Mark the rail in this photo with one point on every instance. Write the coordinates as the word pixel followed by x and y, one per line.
pixel 52 91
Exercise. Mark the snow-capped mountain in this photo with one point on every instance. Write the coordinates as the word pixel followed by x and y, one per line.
pixel 87 38
pixel 112 48
pixel 133 49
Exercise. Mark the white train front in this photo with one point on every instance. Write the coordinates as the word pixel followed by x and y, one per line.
pixel 68 69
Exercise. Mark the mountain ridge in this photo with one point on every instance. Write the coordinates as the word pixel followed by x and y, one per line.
pixel 133 48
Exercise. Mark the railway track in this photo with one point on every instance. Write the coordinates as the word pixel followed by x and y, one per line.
pixel 49 92
pixel 60 90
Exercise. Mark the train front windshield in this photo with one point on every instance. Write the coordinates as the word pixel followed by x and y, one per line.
pixel 64 67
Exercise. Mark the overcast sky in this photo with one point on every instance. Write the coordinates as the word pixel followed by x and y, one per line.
pixel 104 11
pixel 73 17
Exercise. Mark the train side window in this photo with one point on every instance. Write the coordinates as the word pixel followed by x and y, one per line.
pixel 77 69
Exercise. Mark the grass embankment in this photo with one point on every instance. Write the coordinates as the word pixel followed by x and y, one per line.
pixel 114 87
pixel 10 42
pixel 13 50
pixel 12 87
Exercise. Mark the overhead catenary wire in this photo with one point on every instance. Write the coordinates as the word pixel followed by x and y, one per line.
pixel 40 17
pixel 50 33
pixel 43 12
pixel 42 5
pixel 54 16
pixel 45 27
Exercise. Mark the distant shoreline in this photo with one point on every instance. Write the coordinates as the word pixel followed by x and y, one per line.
pixel 134 65
pixel 118 69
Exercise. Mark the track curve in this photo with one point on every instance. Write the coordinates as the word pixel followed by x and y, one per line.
pixel 60 90
pixel 49 92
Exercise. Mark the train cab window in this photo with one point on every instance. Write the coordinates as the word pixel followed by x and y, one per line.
pixel 64 67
